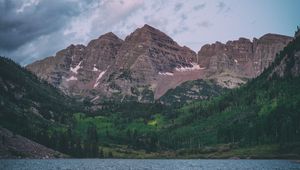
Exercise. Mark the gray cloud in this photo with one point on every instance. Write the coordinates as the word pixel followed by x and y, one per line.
pixel 205 24
pixel 179 30
pixel 178 6
pixel 183 17
pixel 19 25
pixel 40 47
pixel 199 7
pixel 223 7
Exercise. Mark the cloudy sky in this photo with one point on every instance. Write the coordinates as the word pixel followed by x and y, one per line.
pixel 34 29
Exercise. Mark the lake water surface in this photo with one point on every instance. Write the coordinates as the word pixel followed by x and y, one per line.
pixel 145 164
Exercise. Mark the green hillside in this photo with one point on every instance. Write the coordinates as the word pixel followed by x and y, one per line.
pixel 31 107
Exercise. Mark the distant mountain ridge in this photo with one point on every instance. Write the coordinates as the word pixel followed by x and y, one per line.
pixel 148 63
pixel 229 64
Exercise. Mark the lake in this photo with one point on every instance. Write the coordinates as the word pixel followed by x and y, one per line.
pixel 145 164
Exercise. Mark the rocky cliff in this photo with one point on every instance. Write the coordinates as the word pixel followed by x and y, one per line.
pixel 231 64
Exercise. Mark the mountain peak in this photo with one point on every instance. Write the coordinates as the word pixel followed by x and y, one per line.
pixel 148 27
pixel 109 35
pixel 148 33
pixel 148 30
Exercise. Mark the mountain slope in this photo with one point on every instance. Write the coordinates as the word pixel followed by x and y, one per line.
pixel 23 93
pixel 16 146
pixel 263 112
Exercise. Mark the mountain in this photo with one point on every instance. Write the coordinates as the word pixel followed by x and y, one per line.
pixel 148 63
pixel 231 64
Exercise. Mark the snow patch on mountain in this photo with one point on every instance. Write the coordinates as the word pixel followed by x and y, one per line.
pixel 165 73
pixel 95 68
pixel 98 78
pixel 71 78
pixel 76 68
pixel 195 66
pixel 236 62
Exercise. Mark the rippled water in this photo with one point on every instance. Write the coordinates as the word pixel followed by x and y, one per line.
pixel 132 164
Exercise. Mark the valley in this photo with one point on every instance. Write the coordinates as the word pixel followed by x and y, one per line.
pixel 148 97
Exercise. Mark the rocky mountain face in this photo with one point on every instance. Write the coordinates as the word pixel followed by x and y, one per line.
pixel 148 63
pixel 77 68
pixel 231 64
pixel 145 59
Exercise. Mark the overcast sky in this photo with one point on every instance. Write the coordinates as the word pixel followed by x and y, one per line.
pixel 34 29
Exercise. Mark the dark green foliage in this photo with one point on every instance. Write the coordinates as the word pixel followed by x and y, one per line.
pixel 91 147
pixel 191 91
pixel 37 110
pixel 24 92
